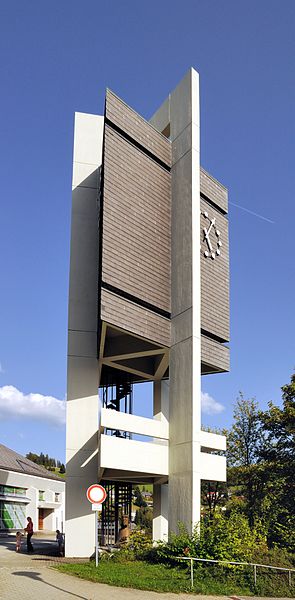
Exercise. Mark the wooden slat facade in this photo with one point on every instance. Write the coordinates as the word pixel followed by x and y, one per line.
pixel 215 191
pixel 136 237
pixel 136 225
pixel 137 127
pixel 215 356
pixel 135 319
pixel 215 279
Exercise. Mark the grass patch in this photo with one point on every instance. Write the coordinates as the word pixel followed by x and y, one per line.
pixel 55 471
pixel 142 575
pixel 153 577
pixel 135 574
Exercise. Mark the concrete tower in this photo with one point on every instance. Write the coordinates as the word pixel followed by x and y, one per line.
pixel 148 301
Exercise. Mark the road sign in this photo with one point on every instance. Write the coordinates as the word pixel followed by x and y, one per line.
pixel 96 494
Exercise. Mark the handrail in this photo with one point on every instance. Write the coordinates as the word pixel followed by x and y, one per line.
pixel 231 562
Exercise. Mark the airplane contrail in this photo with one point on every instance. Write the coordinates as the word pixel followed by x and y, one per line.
pixel 252 212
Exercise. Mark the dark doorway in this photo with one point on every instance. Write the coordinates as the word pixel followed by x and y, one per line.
pixel 41 519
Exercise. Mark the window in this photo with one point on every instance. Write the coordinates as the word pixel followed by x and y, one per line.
pixel 8 490
pixel 56 497
pixel 41 495
pixel 12 515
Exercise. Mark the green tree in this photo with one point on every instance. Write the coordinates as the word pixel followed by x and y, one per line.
pixel 139 500
pixel 144 518
pixel 44 460
pixel 246 474
pixel 261 466
pixel 245 437
pixel 228 538
pixel 33 457
pixel 214 496
pixel 278 454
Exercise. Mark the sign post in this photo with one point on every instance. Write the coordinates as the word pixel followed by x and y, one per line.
pixel 96 494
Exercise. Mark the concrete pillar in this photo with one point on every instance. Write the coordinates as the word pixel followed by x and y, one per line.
pixel 181 110
pixel 82 390
pixel 185 356
pixel 160 513
pixel 160 492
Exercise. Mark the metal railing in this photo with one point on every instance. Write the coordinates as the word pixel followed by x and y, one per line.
pixel 230 562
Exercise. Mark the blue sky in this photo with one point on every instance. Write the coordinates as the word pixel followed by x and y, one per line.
pixel 59 57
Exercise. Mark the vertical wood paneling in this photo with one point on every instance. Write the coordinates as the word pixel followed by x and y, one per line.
pixel 136 223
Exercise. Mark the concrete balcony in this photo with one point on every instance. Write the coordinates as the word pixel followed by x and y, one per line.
pixel 212 441
pixel 213 468
pixel 119 454
pixel 151 458
pixel 112 419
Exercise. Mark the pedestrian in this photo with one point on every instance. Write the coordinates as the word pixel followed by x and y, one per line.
pixel 29 530
pixel 60 542
pixel 18 541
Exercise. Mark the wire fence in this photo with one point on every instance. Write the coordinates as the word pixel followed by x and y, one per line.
pixel 229 562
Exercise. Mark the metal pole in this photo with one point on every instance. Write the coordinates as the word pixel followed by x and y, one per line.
pixel 192 573
pixel 255 574
pixel 290 582
pixel 96 538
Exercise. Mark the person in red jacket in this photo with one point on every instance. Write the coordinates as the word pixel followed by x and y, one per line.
pixel 30 530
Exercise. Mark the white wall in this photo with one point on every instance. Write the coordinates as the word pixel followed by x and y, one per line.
pixel 82 389
pixel 33 484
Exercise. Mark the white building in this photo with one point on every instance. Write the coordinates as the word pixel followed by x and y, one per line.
pixel 29 490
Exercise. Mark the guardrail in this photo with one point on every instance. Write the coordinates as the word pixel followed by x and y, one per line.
pixel 230 562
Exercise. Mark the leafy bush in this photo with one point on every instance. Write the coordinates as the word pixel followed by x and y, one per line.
pixel 178 545
pixel 125 555
pixel 278 557
pixel 221 539
pixel 144 519
pixel 229 538
pixel 139 541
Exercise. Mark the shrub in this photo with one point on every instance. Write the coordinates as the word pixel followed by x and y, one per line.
pixel 228 538
pixel 221 539
pixel 278 557
pixel 139 541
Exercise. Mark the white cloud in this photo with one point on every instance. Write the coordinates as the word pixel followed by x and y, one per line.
pixel 210 406
pixel 15 404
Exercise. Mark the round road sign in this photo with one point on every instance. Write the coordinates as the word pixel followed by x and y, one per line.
pixel 96 494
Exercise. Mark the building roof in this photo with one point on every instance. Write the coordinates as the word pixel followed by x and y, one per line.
pixel 12 461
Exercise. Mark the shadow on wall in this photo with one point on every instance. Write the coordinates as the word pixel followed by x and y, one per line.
pixel 83 464
pixel 83 292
